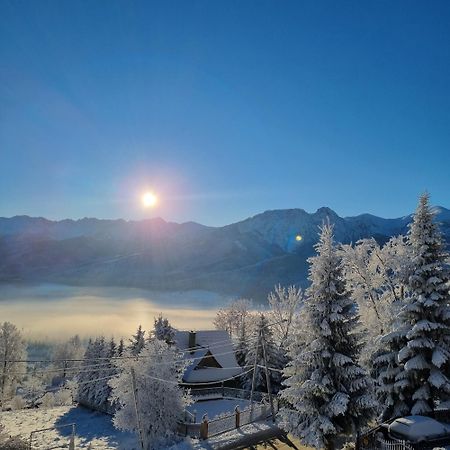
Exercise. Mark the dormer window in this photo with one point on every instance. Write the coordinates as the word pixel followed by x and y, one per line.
pixel 208 362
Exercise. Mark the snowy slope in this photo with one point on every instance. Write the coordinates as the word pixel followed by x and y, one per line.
pixel 94 429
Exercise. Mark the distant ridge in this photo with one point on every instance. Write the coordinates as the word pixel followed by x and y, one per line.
pixel 244 258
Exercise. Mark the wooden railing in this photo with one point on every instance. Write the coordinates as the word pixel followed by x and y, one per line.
pixel 208 428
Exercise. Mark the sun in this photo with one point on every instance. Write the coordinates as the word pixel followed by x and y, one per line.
pixel 149 200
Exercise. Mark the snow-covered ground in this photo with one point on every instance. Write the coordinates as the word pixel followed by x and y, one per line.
pixel 96 431
pixel 91 428
pixel 217 407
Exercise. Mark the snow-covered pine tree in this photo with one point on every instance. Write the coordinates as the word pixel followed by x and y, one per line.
pixel 105 372
pixel 97 385
pixel 425 317
pixel 385 369
pixel 85 374
pixel 274 359
pixel 328 392
pixel 163 330
pixel 161 401
pixel 137 341
pixel 91 389
pixel 120 348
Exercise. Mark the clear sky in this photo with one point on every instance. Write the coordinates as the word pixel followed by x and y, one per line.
pixel 223 108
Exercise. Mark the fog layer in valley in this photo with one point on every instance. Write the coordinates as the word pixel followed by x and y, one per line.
pixel 49 311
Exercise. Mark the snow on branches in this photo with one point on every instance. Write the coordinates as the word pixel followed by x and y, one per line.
pixel 159 399
pixel 424 319
pixel 327 391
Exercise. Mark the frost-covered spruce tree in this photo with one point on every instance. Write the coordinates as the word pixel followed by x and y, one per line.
pixel 85 374
pixel 384 371
pixel 120 348
pixel 97 385
pixel 90 387
pixel 425 317
pixel 328 392
pixel 137 341
pixel 163 330
pixel 161 401
pixel 274 359
pixel 106 370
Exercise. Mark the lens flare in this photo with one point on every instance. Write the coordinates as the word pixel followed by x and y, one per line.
pixel 298 238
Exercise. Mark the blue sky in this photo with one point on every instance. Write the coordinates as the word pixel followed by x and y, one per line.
pixel 223 108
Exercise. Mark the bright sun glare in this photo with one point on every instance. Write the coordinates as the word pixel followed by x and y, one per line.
pixel 149 200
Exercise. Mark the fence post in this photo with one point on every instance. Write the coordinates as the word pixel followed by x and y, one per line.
pixel 204 427
pixel 238 416
pixel 72 438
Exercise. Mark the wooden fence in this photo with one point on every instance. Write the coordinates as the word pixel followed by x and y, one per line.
pixel 207 428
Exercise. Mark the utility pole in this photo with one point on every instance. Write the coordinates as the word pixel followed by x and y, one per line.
pixel 136 406
pixel 254 375
pixel 269 388
pixel 255 366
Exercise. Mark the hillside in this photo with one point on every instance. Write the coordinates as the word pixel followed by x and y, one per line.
pixel 244 258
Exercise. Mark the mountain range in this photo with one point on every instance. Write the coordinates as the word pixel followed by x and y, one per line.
pixel 246 258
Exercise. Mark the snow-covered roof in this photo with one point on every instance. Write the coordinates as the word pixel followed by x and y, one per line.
pixel 418 428
pixel 219 343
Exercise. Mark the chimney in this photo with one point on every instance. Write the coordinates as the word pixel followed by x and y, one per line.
pixel 192 343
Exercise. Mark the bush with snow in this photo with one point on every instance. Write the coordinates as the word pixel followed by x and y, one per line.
pixel 63 397
pixel 12 443
pixel 48 400
pixel 18 402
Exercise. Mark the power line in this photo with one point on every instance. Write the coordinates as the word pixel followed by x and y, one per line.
pixel 105 358
pixel 115 358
